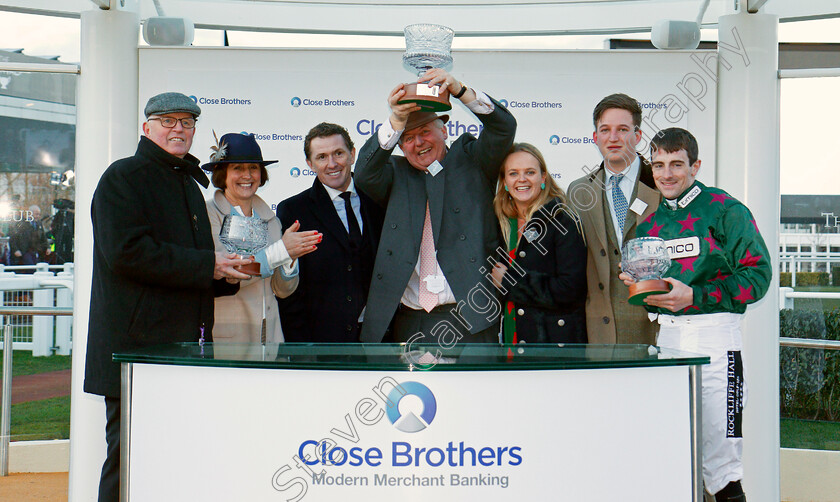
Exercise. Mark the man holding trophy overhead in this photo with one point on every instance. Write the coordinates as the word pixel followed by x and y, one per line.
pixel 719 265
pixel 439 226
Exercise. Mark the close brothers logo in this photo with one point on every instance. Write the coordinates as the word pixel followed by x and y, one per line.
pixel 411 422
pixel 295 172
pixel 554 139
pixel 295 101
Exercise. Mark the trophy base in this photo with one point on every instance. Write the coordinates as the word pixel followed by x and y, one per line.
pixel 429 98
pixel 250 269
pixel 642 289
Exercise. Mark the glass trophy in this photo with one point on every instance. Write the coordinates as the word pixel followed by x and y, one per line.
pixel 645 259
pixel 427 46
pixel 244 236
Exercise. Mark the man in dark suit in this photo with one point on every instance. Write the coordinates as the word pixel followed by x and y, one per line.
pixel 329 303
pixel 431 267
pixel 611 202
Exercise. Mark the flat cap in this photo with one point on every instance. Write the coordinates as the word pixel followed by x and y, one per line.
pixel 171 102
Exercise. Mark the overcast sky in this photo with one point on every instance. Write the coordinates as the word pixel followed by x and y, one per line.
pixel 808 106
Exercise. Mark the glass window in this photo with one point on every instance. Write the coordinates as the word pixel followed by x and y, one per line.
pixel 810 378
pixel 37 198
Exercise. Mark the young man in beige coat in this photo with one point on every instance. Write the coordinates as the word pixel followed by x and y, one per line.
pixel 611 201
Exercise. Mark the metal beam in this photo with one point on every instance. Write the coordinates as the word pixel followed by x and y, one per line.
pixel 469 18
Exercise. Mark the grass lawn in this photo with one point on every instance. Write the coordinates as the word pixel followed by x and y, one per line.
pixel 810 434
pixel 24 364
pixel 47 419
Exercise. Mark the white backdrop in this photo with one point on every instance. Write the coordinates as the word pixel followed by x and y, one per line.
pixel 279 94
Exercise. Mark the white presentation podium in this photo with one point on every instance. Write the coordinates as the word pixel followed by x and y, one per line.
pixel 359 422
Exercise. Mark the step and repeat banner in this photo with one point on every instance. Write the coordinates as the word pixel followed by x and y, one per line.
pixel 279 94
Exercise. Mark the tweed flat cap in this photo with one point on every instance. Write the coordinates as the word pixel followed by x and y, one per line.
pixel 171 102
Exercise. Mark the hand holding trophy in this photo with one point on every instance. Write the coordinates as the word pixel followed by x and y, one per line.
pixel 427 46
pixel 645 259
pixel 244 236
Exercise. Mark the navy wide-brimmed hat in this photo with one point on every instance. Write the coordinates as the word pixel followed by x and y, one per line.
pixel 233 148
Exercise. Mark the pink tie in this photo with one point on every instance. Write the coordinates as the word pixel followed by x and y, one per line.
pixel 428 300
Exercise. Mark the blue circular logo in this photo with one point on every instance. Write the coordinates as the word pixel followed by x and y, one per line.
pixel 554 139
pixel 194 98
pixel 295 101
pixel 295 172
pixel 410 422
pixel 504 102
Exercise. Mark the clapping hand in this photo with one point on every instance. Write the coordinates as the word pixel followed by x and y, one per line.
pixel 300 243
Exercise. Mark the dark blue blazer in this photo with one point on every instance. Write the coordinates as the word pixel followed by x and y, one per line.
pixel 333 286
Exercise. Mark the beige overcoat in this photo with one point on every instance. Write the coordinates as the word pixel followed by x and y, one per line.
pixel 238 317
pixel 605 294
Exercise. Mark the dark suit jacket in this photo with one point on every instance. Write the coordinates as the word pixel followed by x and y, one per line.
pixel 327 303
pixel 549 292
pixel 465 228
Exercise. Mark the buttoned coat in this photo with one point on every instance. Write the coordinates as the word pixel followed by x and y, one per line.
pixel 587 196
pixel 547 280
pixel 153 261
pixel 238 318
pixel 466 231
pixel 331 293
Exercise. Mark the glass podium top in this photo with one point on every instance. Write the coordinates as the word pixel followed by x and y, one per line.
pixel 414 357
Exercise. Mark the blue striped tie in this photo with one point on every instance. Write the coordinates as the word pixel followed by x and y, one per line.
pixel 619 202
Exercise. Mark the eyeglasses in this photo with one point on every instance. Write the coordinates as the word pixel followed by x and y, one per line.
pixel 169 122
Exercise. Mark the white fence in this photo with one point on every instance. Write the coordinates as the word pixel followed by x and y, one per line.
pixel 43 286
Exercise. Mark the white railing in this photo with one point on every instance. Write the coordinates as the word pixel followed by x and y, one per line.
pixel 46 287
pixel 793 260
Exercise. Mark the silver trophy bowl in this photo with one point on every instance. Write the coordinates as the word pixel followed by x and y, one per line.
pixel 645 259
pixel 244 236
pixel 427 46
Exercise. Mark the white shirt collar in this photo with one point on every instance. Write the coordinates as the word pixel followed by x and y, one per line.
pixel 334 194
pixel 630 172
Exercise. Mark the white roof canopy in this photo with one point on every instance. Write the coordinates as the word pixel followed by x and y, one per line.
pixel 466 17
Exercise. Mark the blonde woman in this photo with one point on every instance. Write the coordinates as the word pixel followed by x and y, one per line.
pixel 544 278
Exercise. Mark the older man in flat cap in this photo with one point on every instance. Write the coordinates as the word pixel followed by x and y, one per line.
pixel 431 267
pixel 155 271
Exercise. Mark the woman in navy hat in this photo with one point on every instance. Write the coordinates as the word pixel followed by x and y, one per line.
pixel 238 169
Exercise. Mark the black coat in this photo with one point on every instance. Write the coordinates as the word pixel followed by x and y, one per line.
pixel 550 298
pixel 153 261
pixel 333 285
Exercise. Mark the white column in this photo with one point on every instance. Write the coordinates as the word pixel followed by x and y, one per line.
pixel 748 168
pixel 106 130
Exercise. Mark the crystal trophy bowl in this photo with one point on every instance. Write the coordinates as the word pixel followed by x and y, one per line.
pixel 427 46
pixel 645 259
pixel 244 236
